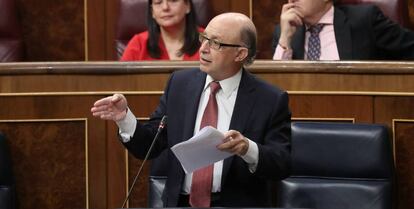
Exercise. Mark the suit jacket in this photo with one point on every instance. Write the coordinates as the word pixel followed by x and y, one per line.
pixel 261 113
pixel 362 32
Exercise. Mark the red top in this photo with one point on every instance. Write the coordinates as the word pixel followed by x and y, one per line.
pixel 137 49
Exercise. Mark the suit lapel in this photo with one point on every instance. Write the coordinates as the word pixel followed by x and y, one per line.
pixel 193 93
pixel 342 35
pixel 242 107
pixel 298 43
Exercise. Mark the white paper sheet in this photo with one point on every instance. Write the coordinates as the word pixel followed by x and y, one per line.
pixel 201 150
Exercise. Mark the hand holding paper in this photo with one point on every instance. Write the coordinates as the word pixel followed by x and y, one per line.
pixel 201 150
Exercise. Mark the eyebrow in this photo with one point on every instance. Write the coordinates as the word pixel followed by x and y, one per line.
pixel 210 37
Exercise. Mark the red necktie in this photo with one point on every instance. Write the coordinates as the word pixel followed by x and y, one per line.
pixel 202 182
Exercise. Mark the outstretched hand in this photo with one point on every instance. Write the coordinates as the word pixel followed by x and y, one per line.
pixel 111 108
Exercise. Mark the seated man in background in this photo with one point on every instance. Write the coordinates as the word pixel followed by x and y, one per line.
pixel 318 30
pixel 253 115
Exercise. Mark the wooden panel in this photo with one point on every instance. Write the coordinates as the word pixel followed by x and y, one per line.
pixel 96 30
pixel 390 108
pixel 404 144
pixel 139 195
pixel 49 162
pixel 411 12
pixel 357 77
pixel 220 6
pixel 123 169
pixel 328 108
pixel 65 107
pixel 393 111
pixel 53 30
pixel 266 15
pixel 111 16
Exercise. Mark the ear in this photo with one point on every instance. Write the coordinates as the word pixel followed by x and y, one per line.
pixel 242 53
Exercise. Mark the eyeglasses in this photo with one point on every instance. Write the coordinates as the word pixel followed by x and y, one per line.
pixel 158 3
pixel 214 44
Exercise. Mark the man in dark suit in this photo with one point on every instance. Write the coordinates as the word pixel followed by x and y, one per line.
pixel 253 115
pixel 347 33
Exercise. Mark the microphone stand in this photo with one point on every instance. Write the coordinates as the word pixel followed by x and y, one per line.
pixel 163 123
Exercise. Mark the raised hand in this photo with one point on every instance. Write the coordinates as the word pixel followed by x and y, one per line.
pixel 290 19
pixel 110 108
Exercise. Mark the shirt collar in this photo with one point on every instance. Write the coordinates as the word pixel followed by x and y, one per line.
pixel 327 18
pixel 228 85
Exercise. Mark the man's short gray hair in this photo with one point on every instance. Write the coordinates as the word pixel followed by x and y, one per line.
pixel 249 38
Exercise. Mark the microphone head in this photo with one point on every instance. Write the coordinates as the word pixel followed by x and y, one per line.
pixel 163 122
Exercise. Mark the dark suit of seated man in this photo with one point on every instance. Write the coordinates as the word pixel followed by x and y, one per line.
pixel 318 30
pixel 253 115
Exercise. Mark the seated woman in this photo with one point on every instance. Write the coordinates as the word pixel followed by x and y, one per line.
pixel 172 33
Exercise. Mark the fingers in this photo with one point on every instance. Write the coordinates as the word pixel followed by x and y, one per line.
pixel 104 101
pixel 110 108
pixel 117 97
pixel 287 6
pixel 231 133
pixel 234 142
pixel 105 115
pixel 290 19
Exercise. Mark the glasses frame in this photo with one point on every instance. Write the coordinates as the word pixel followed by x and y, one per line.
pixel 212 42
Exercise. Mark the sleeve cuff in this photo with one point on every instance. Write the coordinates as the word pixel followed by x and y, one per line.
pixel 252 156
pixel 282 54
pixel 127 126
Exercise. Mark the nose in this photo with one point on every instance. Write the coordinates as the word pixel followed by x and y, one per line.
pixel 165 5
pixel 204 48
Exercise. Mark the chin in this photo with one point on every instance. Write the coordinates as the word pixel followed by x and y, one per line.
pixel 203 68
pixel 168 23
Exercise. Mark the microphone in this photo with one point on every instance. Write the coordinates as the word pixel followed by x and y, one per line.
pixel 161 127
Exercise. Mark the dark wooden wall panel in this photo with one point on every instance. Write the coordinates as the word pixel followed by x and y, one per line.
pixel 53 30
pixel 65 107
pixel 327 107
pixel 49 163
pixel 139 195
pixel 411 12
pixel 393 111
pixel 266 15
pixel 123 168
pixel 96 30
pixel 404 146
pixel 388 108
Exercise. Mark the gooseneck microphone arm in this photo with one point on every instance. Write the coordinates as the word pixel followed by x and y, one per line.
pixel 163 123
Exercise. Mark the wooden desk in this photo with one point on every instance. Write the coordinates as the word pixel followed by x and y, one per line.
pixel 64 156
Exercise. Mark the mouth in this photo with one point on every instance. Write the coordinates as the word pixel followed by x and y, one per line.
pixel 204 61
pixel 166 17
